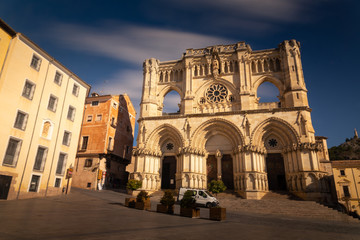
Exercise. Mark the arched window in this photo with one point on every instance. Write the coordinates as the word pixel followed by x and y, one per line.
pixel 171 103
pixel 268 92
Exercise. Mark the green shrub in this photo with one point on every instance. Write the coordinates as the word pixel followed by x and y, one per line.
pixel 188 201
pixel 216 186
pixel 142 196
pixel 133 184
pixel 168 199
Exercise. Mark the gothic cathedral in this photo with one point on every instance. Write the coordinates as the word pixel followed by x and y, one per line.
pixel 222 130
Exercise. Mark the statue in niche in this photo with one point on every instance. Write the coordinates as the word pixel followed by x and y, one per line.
pixel 215 67
pixel 46 128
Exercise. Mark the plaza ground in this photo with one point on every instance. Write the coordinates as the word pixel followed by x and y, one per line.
pixel 86 214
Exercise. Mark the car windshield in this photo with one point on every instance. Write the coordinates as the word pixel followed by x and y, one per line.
pixel 209 194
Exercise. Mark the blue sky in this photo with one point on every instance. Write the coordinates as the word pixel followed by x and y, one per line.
pixel 105 42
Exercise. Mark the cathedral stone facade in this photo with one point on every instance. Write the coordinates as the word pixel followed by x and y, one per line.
pixel 222 131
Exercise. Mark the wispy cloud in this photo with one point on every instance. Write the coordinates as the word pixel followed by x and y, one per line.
pixel 131 43
pixel 124 81
pixel 274 10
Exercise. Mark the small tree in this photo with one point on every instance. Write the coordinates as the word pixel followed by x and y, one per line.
pixel 216 186
pixel 133 184
pixel 188 201
pixel 142 196
pixel 168 199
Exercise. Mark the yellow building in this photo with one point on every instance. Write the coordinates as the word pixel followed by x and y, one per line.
pixel 347 182
pixel 42 110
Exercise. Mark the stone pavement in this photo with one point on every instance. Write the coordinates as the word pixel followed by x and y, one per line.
pixel 101 215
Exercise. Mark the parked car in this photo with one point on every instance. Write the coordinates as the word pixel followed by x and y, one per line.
pixel 202 197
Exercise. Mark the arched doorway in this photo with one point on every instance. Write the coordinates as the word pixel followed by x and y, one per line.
pixel 276 172
pixel 227 175
pixel 219 163
pixel 168 172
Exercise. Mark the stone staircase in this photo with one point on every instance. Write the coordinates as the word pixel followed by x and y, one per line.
pixel 281 203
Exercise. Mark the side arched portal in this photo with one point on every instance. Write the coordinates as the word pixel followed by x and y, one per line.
pixel 276 135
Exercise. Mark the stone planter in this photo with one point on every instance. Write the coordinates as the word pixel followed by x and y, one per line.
pixel 130 202
pixel 143 205
pixel 218 213
pixel 165 209
pixel 190 212
pixel 132 192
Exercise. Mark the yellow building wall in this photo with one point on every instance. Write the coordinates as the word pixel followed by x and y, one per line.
pixel 5 39
pixel 16 71
pixel 350 179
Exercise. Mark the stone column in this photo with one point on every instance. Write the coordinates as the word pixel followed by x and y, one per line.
pixel 218 158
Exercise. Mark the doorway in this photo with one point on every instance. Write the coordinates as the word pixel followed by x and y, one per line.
pixel 276 172
pixel 5 182
pixel 168 173
pixel 227 174
pixel 211 168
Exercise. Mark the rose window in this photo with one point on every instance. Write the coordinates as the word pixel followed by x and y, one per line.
pixel 273 142
pixel 169 146
pixel 216 93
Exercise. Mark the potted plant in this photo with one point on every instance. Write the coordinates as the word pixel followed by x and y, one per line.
pixel 167 203
pixel 216 186
pixel 188 206
pixel 143 201
pixel 130 202
pixel 132 185
pixel 217 213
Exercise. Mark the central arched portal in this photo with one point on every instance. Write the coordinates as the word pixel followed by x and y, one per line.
pixel 276 172
pixel 219 163
pixel 168 173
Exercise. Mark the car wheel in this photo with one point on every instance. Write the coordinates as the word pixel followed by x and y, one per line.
pixel 208 205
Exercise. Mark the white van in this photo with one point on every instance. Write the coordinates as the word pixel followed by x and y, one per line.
pixel 202 197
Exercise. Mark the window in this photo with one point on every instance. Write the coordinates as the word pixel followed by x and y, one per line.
pixel 60 169
pixel 94 103
pixel 88 185
pixel 21 120
pixel 66 138
pixel 127 149
pixel 75 90
pixel 84 143
pixel 110 144
pixel 58 78
pixel 34 183
pixel 342 172
pixel 114 105
pixel 113 122
pixel 88 162
pixel 52 103
pixel 71 113
pixel 40 159
pixel 28 90
pixel 35 62
pixel 12 152
pixel 346 191
pixel 89 118
pixel 98 117
pixel 57 182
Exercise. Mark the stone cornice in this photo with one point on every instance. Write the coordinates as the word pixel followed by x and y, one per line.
pixel 250 148
pixel 146 151
pixel 237 112
pixel 192 150
pixel 303 146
